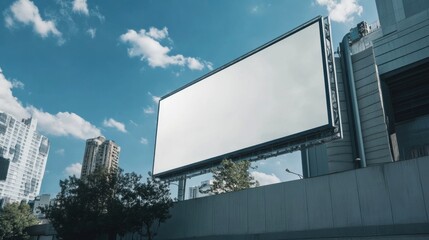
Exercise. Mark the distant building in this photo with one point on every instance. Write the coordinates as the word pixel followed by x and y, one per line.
pixel 196 191
pixel 41 201
pixel 100 154
pixel 23 156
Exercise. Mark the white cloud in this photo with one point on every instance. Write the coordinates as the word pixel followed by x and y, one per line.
pixel 155 99
pixel 80 6
pixel 59 124
pixel 341 10
pixel 195 64
pixel 259 8
pixel 60 151
pixel 96 13
pixel 8 20
pixel 64 124
pixel 91 32
pixel 265 179
pixel 254 9
pixel 157 33
pixel 73 169
pixel 149 110
pixel 146 45
pixel 209 65
pixel 9 103
pixel 144 141
pixel 27 13
pixel 134 123
pixel 17 84
pixel 114 124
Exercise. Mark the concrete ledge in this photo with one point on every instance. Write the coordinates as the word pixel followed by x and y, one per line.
pixel 405 231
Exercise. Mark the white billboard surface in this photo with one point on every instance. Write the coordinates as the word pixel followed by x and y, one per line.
pixel 273 93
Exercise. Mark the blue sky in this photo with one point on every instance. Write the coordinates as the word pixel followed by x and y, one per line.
pixel 90 67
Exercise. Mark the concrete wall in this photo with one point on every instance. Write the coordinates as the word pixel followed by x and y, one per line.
pixel 379 201
pixel 389 13
pixel 409 43
pixel 371 109
pixel 412 7
pixel 392 12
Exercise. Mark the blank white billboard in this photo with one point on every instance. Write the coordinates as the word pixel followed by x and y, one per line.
pixel 276 92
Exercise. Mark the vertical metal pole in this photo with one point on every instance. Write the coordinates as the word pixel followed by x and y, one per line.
pixel 355 107
pixel 308 164
pixel 305 162
pixel 181 189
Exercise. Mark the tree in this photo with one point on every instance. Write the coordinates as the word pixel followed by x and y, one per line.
pixel 151 207
pixel 109 204
pixel 119 220
pixel 231 176
pixel 85 208
pixel 14 218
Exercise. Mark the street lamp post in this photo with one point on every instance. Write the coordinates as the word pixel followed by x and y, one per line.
pixel 294 173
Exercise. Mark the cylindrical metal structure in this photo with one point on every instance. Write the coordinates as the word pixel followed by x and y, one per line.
pixel 355 108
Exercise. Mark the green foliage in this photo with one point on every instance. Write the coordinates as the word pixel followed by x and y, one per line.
pixel 231 176
pixel 14 218
pixel 151 207
pixel 80 206
pixel 108 204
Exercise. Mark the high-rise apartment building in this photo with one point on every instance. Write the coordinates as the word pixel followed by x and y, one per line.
pixel 26 151
pixel 100 154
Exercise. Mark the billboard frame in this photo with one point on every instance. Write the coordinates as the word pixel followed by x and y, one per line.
pixel 290 143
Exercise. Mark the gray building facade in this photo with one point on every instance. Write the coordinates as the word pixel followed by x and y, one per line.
pixel 390 66
pixel 372 183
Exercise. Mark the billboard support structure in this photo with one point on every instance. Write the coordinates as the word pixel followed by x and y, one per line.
pixel 277 147
pixel 333 85
pixel 181 190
